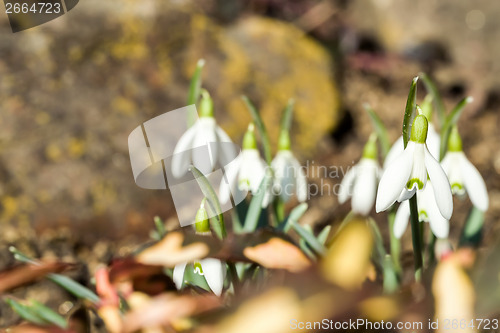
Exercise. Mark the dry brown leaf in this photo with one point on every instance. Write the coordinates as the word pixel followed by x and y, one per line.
pixel 277 253
pixel 169 251
pixel 165 309
pixel 347 262
pixel 28 273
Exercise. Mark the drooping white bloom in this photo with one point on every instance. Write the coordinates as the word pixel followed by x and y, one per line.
pixel 360 182
pixel 433 144
pixel 289 178
pixel 463 175
pixel 408 172
pixel 213 270
pixel 428 211
pixel 204 133
pixel 246 172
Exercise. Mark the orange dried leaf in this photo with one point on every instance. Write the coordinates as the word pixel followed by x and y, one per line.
pixel 277 253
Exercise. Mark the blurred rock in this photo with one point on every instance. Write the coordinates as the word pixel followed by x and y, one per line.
pixel 73 89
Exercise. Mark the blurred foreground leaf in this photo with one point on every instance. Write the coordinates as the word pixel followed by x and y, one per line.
pixel 347 262
pixel 25 274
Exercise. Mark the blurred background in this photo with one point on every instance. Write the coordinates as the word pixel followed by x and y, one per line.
pixel 73 89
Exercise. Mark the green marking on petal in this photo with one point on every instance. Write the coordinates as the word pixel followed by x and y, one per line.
pixel 197 269
pixel 423 216
pixel 244 184
pixel 420 184
pixel 457 188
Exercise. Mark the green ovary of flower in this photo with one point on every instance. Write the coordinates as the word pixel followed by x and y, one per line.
pixel 419 129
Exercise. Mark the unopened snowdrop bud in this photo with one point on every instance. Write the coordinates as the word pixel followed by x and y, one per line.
pixel 463 175
pixel 360 182
pixel 408 173
pixel 202 225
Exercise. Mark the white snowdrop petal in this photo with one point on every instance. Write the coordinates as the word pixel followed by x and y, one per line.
pixel 440 226
pixel 228 182
pixel 178 275
pixel 213 271
pixel 418 175
pixel 347 184
pixel 405 194
pixel 394 179
pixel 181 159
pixel 401 219
pixel 365 187
pixel 300 181
pixel 474 184
pixel 433 141
pixel 205 138
pixel 396 150
pixel 440 185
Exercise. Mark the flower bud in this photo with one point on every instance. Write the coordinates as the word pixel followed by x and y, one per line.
pixel 249 140
pixel 202 225
pixel 206 105
pixel 284 140
pixel 370 151
pixel 454 141
pixel 419 129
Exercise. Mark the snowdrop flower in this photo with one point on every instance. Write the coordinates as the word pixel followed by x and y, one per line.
pixel 463 176
pixel 408 172
pixel 289 178
pixel 213 270
pixel 433 139
pixel 428 211
pixel 246 172
pixel 360 182
pixel 204 133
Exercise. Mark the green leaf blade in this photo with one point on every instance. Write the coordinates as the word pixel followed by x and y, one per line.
pixel 409 110
pixel 261 127
pixel 380 129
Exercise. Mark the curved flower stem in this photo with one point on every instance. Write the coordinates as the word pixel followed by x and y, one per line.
pixel 395 244
pixel 415 235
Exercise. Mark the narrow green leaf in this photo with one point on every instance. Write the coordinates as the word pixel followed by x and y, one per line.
pixel 451 120
pixel 160 226
pixel 25 312
pixel 214 210
pixel 294 216
pixel 410 110
pixel 323 235
pixel 286 118
pixel 436 97
pixel 74 287
pixel 306 248
pixel 261 127
pixel 473 227
pixel 255 208
pixel 380 129
pixel 390 276
pixel 19 256
pixel 379 243
pixel 48 314
pixel 195 88
pixel 315 245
